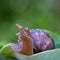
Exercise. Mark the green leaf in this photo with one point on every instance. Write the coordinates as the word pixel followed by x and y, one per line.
pixel 49 54
pixel 46 55
pixel 3 57
pixel 56 39
pixel 6 53
pixel 6 50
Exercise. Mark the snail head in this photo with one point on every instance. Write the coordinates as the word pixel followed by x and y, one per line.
pixel 24 32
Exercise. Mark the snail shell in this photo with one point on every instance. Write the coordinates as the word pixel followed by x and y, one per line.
pixel 41 40
pixel 33 41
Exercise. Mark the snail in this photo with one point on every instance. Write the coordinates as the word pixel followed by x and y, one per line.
pixel 32 41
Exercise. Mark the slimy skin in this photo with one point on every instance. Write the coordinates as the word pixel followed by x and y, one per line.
pixel 27 42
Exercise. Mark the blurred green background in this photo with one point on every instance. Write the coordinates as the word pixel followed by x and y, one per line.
pixel 43 14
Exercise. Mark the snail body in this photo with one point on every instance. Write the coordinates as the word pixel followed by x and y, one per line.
pixel 33 41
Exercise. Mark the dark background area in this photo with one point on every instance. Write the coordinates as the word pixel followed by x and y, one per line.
pixel 42 14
